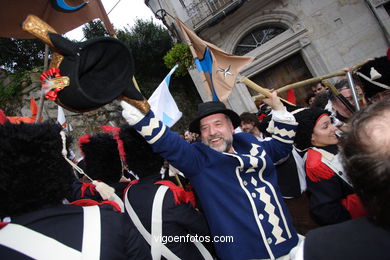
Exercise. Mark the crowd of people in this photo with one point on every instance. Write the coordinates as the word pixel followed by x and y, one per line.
pixel 285 183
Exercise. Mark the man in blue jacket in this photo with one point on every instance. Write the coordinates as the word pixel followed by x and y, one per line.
pixel 233 176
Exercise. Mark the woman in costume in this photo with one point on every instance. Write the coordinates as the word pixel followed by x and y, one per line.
pixel 332 197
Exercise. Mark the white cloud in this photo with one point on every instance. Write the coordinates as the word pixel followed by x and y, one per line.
pixel 123 14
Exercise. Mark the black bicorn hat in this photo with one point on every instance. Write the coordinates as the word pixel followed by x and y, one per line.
pixel 210 108
pixel 100 70
pixel 307 119
pixel 86 75
pixel 375 76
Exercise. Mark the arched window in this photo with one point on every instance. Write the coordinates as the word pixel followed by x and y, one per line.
pixel 257 37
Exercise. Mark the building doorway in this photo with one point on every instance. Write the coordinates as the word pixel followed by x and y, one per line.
pixel 290 70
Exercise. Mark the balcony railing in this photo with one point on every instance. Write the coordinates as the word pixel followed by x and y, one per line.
pixel 200 11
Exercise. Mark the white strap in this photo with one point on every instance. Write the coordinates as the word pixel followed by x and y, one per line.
pixel 300 162
pixel 39 246
pixel 168 254
pixel 118 201
pixel 336 166
pixel 202 249
pixel 35 244
pixel 156 224
pixel 91 233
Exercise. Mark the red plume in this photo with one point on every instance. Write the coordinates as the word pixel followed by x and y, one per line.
pixel 115 131
pixel 291 96
pixel 388 53
pixel 83 140
pixel 3 117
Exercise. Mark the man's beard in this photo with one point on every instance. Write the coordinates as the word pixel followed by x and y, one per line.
pixel 224 147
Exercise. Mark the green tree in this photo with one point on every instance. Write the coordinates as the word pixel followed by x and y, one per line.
pixel 94 29
pixel 179 54
pixel 17 54
pixel 149 43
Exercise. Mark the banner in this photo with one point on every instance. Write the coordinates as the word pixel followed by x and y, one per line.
pixel 163 104
pixel 219 68
pixel 62 15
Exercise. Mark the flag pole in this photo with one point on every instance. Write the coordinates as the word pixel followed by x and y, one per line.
pixel 42 96
pixel 106 21
pixel 265 92
pixel 353 90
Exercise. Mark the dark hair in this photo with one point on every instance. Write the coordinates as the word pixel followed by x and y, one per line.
pixel 306 119
pixel 249 117
pixel 314 85
pixel 140 157
pixel 101 157
pixel 340 85
pixel 367 160
pixel 308 97
pixel 33 172
pixel 343 84
pixel 321 100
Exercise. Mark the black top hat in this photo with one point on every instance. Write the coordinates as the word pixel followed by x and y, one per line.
pixel 100 70
pixel 375 76
pixel 210 108
pixel 307 119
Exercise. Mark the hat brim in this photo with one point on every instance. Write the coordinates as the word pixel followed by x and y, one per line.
pixel 234 117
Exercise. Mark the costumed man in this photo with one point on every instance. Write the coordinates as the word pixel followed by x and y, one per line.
pixel 366 159
pixel 233 176
pixel 162 211
pixel 35 177
pixel 104 160
pixel 331 194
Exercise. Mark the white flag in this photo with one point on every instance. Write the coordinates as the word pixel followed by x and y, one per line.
pixel 163 104
pixel 62 120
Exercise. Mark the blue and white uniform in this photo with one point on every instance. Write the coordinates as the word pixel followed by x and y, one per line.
pixel 238 191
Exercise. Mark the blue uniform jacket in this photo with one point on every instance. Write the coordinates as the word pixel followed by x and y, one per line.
pixel 238 192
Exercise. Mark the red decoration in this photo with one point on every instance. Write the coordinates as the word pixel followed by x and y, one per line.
pixel 261 116
pixel 88 202
pixel 179 194
pixel 45 80
pixel 291 96
pixel 115 131
pixel 90 186
pixel 3 224
pixel 83 140
pixel 388 53
pixel 3 117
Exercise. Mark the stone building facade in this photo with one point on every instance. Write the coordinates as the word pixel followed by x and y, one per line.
pixel 292 40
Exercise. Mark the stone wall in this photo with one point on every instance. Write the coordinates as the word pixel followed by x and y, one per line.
pixel 89 122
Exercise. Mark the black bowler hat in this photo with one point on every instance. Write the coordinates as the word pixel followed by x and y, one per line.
pixel 100 70
pixel 211 108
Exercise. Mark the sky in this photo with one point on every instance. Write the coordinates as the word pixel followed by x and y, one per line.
pixel 123 14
